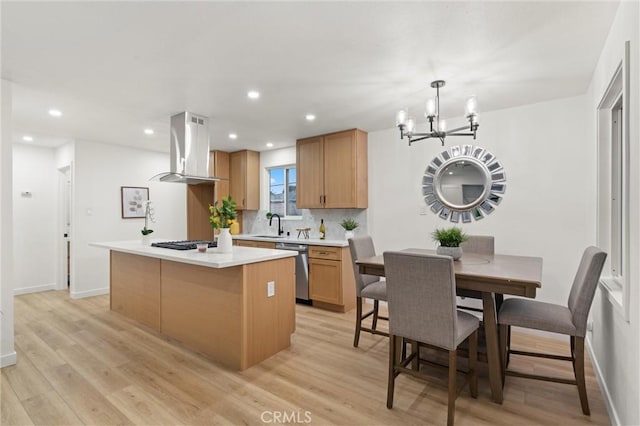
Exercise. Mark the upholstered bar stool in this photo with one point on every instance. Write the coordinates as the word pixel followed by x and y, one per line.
pixel 421 296
pixel 367 286
pixel 477 244
pixel 570 320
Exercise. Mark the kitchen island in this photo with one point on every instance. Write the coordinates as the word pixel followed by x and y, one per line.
pixel 236 308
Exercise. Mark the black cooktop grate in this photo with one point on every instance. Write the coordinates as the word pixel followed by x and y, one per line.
pixel 183 245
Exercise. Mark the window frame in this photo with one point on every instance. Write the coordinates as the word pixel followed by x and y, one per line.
pixel 613 209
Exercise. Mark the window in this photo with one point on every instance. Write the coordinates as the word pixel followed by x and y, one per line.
pixel 617 194
pixel 282 192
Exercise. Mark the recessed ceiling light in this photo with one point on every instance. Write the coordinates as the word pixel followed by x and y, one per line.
pixel 310 117
pixel 55 113
pixel 269 145
pixel 148 131
pixel 233 136
pixel 27 138
pixel 253 94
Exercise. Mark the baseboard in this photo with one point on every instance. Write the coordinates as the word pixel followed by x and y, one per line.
pixel 89 293
pixel 34 289
pixel 8 359
pixel 611 410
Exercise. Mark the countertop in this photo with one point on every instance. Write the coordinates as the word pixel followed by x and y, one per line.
pixel 211 259
pixel 293 239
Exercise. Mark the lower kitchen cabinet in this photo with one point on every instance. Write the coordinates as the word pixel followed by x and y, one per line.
pixel 331 282
pixel 258 244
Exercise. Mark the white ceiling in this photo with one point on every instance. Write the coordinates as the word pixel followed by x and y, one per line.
pixel 115 68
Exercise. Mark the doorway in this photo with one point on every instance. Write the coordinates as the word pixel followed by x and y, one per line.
pixel 64 232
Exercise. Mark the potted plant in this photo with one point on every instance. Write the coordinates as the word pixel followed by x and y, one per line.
pixel 148 217
pixel 449 239
pixel 349 225
pixel 222 216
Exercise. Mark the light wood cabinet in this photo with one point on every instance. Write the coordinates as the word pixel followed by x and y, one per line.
pixel 244 182
pixel 198 199
pixel 331 281
pixel 332 171
pixel 258 244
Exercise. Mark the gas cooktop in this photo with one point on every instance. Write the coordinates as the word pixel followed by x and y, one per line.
pixel 183 245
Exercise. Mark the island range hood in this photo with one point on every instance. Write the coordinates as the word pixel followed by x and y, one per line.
pixel 189 150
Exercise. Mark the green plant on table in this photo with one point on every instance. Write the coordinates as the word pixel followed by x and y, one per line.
pixel 349 224
pixel 449 237
pixel 223 215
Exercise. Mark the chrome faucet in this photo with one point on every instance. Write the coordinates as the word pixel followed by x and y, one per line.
pixel 280 230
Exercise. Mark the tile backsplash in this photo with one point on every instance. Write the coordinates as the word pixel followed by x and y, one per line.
pixel 256 222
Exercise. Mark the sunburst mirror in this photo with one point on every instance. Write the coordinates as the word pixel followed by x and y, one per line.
pixel 463 182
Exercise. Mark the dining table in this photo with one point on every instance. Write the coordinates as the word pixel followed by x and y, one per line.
pixel 488 276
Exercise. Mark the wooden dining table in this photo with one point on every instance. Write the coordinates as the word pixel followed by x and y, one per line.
pixel 488 276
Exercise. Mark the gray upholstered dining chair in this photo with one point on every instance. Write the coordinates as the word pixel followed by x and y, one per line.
pixel 480 244
pixel 421 295
pixel 570 320
pixel 367 286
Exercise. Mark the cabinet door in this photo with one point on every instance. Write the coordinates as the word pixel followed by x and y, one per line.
pixel 219 167
pixel 309 164
pixel 325 281
pixel 340 170
pixel 238 178
pixel 198 199
pixel 244 181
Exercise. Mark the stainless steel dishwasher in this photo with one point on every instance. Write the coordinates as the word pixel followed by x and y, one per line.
pixel 302 269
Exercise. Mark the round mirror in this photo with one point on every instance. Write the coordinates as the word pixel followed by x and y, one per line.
pixel 463 182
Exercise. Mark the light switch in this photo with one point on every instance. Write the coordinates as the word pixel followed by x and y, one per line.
pixel 422 210
pixel 271 289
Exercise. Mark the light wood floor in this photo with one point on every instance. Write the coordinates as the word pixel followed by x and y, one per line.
pixel 78 363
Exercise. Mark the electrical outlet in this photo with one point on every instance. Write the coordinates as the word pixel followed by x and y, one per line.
pixel 589 325
pixel 271 289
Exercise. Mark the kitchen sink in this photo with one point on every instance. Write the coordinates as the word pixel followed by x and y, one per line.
pixel 269 236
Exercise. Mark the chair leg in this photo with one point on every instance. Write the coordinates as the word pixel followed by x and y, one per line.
pixel 415 350
pixel 473 362
pixel 453 357
pixel 504 350
pixel 374 323
pixel 356 338
pixel 579 368
pixel 508 346
pixel 393 344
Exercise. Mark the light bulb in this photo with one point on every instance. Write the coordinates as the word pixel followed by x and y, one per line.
pixel 442 126
pixel 471 106
pixel 430 108
pixel 401 117
pixel 410 126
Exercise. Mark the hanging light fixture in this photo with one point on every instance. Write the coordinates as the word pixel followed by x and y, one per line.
pixel 437 126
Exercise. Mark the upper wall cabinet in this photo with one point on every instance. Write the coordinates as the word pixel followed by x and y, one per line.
pixel 332 171
pixel 244 182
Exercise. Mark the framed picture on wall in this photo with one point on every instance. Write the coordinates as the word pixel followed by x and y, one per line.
pixel 133 198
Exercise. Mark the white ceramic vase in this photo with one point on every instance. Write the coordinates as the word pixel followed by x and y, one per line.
pixel 146 240
pixel 455 252
pixel 348 234
pixel 225 241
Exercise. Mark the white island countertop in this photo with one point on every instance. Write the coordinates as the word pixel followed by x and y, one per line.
pixel 292 239
pixel 211 258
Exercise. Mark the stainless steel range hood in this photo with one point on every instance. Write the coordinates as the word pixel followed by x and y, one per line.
pixel 189 150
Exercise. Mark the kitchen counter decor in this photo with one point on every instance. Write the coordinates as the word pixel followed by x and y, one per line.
pixel 349 225
pixel 221 218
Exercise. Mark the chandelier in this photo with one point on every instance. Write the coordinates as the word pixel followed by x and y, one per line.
pixel 437 126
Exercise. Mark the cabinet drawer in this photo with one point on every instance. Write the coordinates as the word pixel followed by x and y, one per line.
pixel 324 252
pixel 258 244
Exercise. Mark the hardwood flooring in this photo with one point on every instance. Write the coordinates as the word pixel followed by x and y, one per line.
pixel 79 363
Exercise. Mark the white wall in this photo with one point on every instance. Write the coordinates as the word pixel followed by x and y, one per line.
pixel 35 218
pixel 548 209
pixel 7 349
pixel 99 171
pixel 614 342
